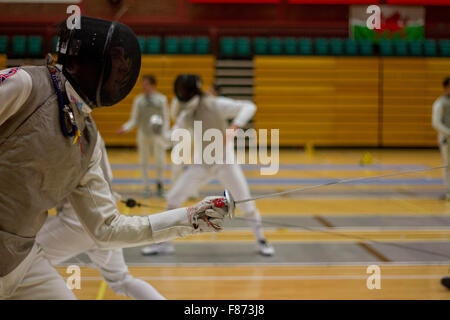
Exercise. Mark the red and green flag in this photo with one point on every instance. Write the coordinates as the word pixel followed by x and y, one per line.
pixel 396 22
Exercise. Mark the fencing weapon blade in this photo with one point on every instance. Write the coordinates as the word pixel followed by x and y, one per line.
pixel 232 203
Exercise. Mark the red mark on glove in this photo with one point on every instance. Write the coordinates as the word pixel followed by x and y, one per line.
pixel 219 203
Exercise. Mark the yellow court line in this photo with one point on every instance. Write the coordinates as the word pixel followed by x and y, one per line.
pixel 288 235
pixel 101 290
pixel 390 269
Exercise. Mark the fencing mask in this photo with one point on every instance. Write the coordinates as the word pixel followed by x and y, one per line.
pixel 101 60
pixel 186 86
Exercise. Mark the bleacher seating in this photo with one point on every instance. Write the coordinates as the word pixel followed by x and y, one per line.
pixel 174 45
pixel 444 47
pixel 366 47
pixel 416 48
pixel 187 45
pixel 153 45
pixel 260 46
pixel 386 47
pixel 227 46
pixel 336 47
pixel 243 48
pixel 3 44
pixel 305 47
pixel 400 48
pixel 430 48
pixel 19 46
pixel 290 46
pixel 34 46
pixel 351 47
pixel 275 46
pixel 321 46
pixel 202 45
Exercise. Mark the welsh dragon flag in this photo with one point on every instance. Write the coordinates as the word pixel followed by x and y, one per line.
pixel 397 22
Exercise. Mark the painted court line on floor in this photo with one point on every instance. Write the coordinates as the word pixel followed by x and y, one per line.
pixel 301 182
pixel 262 277
pixel 303 167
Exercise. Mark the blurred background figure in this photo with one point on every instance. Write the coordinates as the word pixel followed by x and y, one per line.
pixel 213 112
pixel 441 122
pixel 151 115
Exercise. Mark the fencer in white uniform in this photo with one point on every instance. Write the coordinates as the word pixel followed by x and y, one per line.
pixel 441 122
pixel 213 112
pixel 147 108
pixel 63 237
pixel 50 152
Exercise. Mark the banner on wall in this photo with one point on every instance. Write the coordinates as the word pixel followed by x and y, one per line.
pixel 396 22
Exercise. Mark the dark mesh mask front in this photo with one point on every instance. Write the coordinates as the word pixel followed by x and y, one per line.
pixel 102 61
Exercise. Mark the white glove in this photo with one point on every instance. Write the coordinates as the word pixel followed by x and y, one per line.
pixel 208 214
pixel 205 216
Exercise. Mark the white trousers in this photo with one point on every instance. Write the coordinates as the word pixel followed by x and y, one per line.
pixel 149 145
pixel 230 176
pixel 443 146
pixel 34 279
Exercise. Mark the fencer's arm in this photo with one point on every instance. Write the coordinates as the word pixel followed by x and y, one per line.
pixel 98 213
pixel 131 123
pixel 14 91
pixel 437 123
pixel 241 111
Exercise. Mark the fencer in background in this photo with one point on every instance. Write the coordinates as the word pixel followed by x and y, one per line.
pixel 50 152
pixel 441 122
pixel 150 114
pixel 64 237
pixel 177 169
pixel 213 113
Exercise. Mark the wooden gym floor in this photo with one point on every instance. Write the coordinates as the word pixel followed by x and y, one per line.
pixel 322 237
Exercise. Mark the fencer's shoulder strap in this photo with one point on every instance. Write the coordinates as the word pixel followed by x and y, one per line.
pixel 41 93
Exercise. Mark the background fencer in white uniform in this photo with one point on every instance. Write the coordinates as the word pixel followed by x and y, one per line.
pixel 63 237
pixel 147 106
pixel 441 122
pixel 213 112
pixel 177 169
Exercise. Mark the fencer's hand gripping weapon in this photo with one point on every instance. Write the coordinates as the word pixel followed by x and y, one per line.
pixel 231 203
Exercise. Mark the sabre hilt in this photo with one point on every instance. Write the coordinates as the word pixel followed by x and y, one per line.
pixel 131 203
pixel 230 203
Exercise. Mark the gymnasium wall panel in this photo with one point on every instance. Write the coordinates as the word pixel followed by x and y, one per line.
pixel 2 61
pixel 326 101
pixel 409 88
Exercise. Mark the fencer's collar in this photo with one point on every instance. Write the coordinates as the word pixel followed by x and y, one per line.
pixel 75 99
